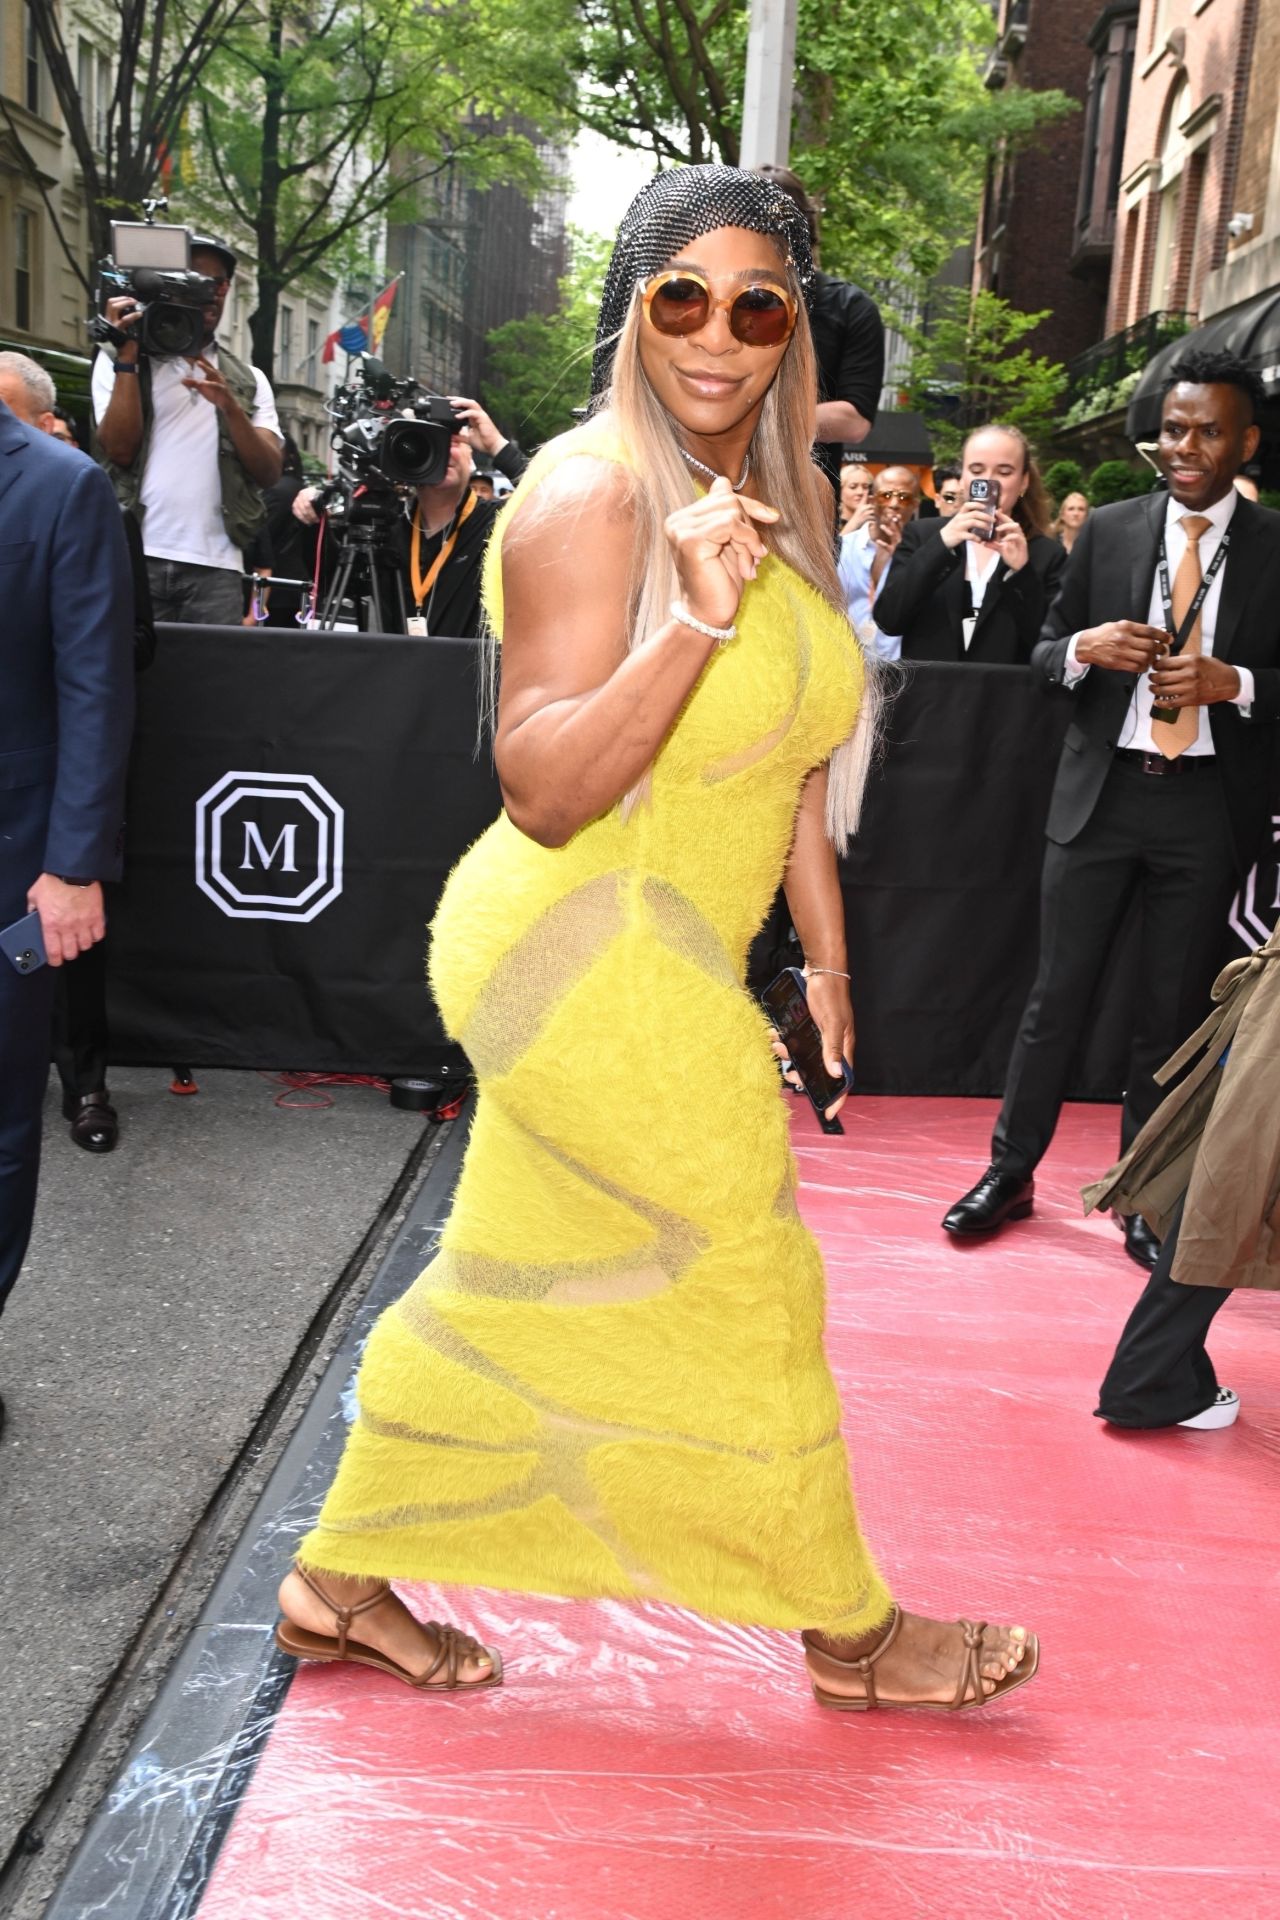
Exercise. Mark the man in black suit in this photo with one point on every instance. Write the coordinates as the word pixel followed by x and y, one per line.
pixel 1166 782
pixel 66 711
pixel 961 589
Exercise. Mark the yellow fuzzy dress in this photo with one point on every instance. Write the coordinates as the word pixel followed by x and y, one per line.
pixel 610 1380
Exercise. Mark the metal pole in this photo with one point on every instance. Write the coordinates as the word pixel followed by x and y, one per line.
pixel 766 102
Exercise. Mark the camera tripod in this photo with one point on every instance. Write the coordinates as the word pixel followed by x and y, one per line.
pixel 362 540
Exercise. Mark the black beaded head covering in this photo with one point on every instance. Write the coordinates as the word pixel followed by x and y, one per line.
pixel 675 208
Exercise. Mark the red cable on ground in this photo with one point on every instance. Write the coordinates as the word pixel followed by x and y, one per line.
pixel 312 1087
pixel 306 1092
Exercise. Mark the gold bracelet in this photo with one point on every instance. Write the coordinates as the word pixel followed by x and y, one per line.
pixel 809 971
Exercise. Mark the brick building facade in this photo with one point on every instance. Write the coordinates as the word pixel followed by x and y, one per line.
pixel 1184 151
pixel 1026 233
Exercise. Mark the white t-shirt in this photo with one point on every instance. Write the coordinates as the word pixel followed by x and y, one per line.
pixel 181 491
pixel 1138 731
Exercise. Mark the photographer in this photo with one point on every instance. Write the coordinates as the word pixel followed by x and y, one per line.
pixel 977 586
pixel 189 444
pixel 441 538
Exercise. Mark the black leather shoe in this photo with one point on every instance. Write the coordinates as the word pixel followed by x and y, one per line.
pixel 1139 1242
pixel 996 1198
pixel 95 1125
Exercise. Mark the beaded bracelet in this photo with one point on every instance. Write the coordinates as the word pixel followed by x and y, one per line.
pixel 681 613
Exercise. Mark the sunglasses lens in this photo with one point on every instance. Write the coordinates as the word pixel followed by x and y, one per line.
pixel 679 305
pixel 760 317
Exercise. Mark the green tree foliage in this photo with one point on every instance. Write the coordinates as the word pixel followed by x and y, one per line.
pixel 317 123
pixel 968 368
pixel 893 125
pixel 161 50
pixel 1061 478
pixel 540 367
pixel 1117 480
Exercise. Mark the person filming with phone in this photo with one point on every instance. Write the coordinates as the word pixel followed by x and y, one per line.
pixel 977 585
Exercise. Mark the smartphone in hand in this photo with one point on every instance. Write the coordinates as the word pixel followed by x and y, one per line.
pixel 786 1002
pixel 22 944
pixel 987 493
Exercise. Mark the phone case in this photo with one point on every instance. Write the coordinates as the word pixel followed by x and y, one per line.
pixel 22 944
pixel 786 1001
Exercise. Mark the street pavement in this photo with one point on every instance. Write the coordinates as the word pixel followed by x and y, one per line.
pixel 168 1299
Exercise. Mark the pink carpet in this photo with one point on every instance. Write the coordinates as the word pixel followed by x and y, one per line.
pixel 644 1763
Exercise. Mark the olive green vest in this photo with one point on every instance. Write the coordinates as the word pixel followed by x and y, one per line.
pixel 243 508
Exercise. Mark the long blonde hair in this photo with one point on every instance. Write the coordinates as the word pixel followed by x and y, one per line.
pixel 784 474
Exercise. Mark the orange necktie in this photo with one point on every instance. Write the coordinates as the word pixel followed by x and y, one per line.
pixel 1173 737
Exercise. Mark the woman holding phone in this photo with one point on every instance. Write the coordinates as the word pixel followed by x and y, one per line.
pixel 977 586
pixel 610 1381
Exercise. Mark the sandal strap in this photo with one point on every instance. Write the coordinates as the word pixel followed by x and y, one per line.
pixel 864 1665
pixel 447 1654
pixel 343 1615
pixel 971 1667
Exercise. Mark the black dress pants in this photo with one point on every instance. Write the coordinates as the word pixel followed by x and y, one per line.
pixel 80 1038
pixel 1160 1372
pixel 1167 839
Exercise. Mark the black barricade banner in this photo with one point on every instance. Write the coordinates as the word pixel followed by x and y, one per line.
pixel 296 803
pixel 298 800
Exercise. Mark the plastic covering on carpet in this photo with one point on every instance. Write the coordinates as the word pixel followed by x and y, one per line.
pixel 642 1762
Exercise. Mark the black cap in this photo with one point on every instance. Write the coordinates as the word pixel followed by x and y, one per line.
pixel 220 247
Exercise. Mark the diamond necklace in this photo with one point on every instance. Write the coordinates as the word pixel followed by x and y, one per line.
pixel 711 473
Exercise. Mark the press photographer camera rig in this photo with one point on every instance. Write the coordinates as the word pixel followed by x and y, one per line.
pixel 153 265
pixel 389 435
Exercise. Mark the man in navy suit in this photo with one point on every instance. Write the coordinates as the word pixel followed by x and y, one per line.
pixel 66 715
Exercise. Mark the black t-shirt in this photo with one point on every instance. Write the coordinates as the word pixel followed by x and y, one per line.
pixel 452 608
pixel 848 339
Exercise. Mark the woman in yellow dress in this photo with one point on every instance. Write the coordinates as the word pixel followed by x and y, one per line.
pixel 610 1381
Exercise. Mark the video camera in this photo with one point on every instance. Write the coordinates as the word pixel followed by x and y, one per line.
pixel 389 433
pixel 153 265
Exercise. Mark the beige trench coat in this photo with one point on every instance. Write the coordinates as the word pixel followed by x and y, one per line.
pixel 1216 1138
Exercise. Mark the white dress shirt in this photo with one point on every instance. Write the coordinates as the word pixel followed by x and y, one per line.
pixel 1136 732
pixel 857 552
pixel 979 565
pixel 181 488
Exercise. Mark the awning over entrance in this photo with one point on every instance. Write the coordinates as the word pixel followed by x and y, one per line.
pixel 1251 330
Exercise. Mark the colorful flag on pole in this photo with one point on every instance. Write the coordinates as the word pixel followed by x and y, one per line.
pixel 353 335
pixel 382 313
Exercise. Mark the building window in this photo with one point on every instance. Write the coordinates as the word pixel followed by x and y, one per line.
pixel 85 70
pixel 312 371
pixel 1107 113
pixel 31 64
pixel 286 343
pixel 105 98
pixel 23 248
pixel 1173 155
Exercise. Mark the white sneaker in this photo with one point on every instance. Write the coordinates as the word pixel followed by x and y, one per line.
pixel 1223 1413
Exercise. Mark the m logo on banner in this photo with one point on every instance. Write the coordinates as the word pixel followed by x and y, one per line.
pixel 269 846
pixel 1256 907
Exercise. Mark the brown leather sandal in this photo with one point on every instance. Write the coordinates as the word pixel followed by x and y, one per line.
pixel 969 1683
pixel 452 1649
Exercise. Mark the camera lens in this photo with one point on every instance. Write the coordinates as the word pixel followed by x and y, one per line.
pixel 167 331
pixel 415 453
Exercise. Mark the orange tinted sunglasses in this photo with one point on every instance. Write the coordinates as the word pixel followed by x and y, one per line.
pixel 762 314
